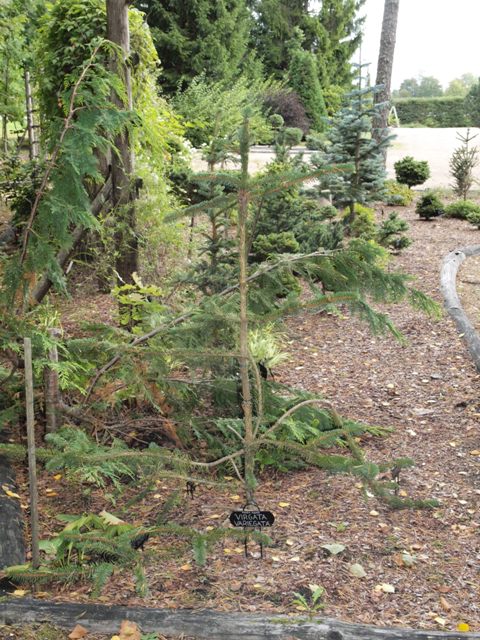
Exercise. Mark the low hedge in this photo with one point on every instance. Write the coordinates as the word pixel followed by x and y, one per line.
pixel 433 112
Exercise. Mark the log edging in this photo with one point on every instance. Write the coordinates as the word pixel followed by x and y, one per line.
pixel 453 306
pixel 205 624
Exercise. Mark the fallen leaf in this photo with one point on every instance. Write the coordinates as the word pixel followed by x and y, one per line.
pixel 10 494
pixel 475 452
pixel 463 627
pixel 290 543
pixel 115 638
pixel 334 549
pixel 385 587
pixel 129 631
pixel 77 632
pixel 441 621
pixel 186 567
pixel 357 570
pixel 446 606
pixel 20 592
pixel 236 498
pixel 374 513
pixel 283 504
pixel 58 476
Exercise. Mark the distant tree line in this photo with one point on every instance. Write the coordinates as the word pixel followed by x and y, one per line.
pixel 430 87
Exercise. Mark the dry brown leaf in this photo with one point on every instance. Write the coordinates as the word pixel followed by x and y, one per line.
pixel 77 632
pixel 446 606
pixel 129 631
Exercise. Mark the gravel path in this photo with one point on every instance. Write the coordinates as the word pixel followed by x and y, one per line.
pixel 434 145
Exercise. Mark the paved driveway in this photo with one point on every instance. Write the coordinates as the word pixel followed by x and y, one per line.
pixel 434 145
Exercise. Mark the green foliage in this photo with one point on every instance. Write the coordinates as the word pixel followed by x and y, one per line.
pixel 391 233
pixel 462 163
pixel 311 603
pixel 474 218
pixel 137 303
pixel 411 172
pixel 285 138
pixel 433 112
pixel 363 224
pixel 13 45
pixel 461 209
pixel 268 246
pixel 352 141
pixel 84 461
pixel 472 106
pixel 213 109
pixel 398 194
pixel 429 206
pixel 209 36
pixel 303 78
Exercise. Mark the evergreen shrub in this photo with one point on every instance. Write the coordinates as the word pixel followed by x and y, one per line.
pixel 461 209
pixel 411 172
pixel 268 246
pixel 430 206
pixel 474 218
pixel 433 112
pixel 391 231
pixel 397 194
pixel 363 224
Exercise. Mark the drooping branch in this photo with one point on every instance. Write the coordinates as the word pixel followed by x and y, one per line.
pixel 43 287
pixel 67 123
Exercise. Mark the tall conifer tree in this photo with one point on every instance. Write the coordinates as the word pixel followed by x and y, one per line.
pixel 206 36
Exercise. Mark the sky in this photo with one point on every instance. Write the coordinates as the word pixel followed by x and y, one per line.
pixel 434 38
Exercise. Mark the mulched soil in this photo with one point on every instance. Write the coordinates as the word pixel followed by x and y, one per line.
pixel 426 389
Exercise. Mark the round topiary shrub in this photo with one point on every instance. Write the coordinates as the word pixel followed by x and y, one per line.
pixel 462 209
pixel 430 206
pixel 397 194
pixel 411 172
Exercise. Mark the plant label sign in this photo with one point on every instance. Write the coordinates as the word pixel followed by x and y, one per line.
pixel 252 519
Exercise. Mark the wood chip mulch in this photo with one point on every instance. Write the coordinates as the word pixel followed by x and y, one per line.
pixel 426 390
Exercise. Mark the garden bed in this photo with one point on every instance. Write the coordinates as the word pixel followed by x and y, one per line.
pixel 426 389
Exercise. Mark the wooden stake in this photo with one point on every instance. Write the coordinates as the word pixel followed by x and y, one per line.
pixel 32 464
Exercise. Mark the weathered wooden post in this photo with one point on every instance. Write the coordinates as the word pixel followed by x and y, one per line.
pixel 32 462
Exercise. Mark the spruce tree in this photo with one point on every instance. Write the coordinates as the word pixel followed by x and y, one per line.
pixel 275 21
pixel 352 140
pixel 208 36
pixel 339 34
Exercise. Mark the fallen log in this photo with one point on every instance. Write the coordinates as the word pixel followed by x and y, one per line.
pixel 205 624
pixel 452 303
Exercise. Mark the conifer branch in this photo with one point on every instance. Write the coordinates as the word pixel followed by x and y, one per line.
pixel 56 151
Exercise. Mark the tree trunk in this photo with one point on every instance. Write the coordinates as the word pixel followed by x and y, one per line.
pixel 126 243
pixel 385 64
pixel 32 138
